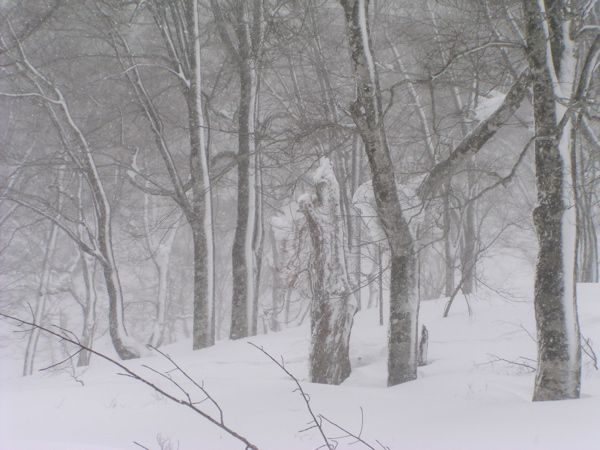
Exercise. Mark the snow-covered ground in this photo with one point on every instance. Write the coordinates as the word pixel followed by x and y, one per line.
pixel 468 397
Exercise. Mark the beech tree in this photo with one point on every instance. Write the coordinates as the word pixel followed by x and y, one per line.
pixel 179 28
pixel 244 46
pixel 550 27
pixel 367 113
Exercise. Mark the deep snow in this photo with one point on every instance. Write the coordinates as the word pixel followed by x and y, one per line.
pixel 465 398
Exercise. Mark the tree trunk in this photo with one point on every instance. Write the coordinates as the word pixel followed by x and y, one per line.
pixel 41 300
pixel 551 60
pixel 247 243
pixel 587 239
pixel 447 230
pixel 201 217
pixel 333 306
pixel 88 270
pixel 277 286
pixel 367 114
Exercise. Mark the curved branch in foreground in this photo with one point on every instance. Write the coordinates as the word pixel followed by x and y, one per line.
pixel 188 403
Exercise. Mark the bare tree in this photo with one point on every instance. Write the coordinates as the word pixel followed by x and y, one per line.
pixel 244 47
pixel 368 115
pixel 81 155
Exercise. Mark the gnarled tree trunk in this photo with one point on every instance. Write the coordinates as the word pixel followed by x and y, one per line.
pixel 333 306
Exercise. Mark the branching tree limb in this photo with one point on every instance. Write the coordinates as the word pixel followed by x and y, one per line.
pixel 477 138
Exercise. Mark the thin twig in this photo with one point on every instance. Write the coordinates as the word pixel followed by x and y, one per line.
pixel 349 433
pixel 305 396
pixel 134 375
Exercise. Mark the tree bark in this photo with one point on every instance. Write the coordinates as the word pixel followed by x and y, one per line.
pixel 551 61
pixel 368 116
pixel 333 306
pixel 246 253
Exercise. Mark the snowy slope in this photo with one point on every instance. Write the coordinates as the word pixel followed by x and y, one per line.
pixel 466 398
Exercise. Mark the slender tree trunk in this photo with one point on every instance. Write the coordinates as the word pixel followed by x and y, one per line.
pixel 201 217
pixel 448 253
pixel 367 114
pixel 161 257
pixel 88 270
pixel 587 249
pixel 277 287
pixel 41 300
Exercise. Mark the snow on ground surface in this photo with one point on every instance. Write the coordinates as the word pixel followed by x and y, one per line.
pixel 467 397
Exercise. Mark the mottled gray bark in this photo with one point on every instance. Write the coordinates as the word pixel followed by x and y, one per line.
pixel 367 114
pixel 559 354
pixel 246 253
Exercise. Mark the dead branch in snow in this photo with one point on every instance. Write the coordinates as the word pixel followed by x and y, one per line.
pixel 187 401
pixel 316 418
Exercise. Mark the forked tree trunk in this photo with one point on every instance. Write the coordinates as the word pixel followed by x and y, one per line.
pixel 333 306
pixel 552 62
pixel 368 116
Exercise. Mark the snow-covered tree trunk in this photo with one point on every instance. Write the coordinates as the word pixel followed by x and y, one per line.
pixel 79 150
pixel 178 24
pixel 246 253
pixel 368 116
pixel 333 306
pixel 202 212
pixel 551 58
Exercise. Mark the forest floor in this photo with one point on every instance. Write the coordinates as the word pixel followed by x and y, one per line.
pixel 475 392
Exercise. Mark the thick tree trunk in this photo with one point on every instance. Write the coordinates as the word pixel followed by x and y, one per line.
pixel 367 114
pixel 333 306
pixel 551 61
